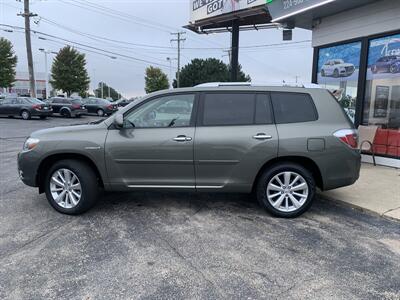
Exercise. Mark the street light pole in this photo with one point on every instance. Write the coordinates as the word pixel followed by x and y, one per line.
pixel 47 69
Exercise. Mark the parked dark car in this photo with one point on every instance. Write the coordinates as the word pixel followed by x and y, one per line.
pixel 387 64
pixel 123 102
pixel 24 107
pixel 67 107
pixel 99 106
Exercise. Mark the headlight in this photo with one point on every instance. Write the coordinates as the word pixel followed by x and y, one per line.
pixel 30 143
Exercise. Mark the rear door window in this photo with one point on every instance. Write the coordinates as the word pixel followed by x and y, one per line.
pixel 263 110
pixel 228 109
pixel 293 107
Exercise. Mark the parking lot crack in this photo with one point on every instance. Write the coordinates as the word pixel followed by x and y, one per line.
pixel 23 246
pixel 188 262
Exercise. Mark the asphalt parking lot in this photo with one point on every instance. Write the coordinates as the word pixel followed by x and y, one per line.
pixel 178 246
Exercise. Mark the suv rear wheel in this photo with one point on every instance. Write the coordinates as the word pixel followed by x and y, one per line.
pixel 286 190
pixel 71 187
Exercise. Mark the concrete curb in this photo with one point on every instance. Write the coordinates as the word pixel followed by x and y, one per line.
pixel 357 207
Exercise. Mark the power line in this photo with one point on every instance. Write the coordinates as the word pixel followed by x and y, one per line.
pixel 96 38
pixel 90 47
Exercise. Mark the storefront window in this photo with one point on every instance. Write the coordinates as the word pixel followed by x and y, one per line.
pixel 382 95
pixel 338 69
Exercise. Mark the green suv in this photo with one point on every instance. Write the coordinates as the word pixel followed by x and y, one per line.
pixel 280 142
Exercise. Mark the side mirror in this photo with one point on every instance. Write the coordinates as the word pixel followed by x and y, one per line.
pixel 119 120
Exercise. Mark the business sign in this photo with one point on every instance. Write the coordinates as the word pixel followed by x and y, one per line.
pixel 280 9
pixel 204 9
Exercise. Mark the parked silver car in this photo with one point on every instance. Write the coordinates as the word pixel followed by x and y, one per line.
pixel 280 142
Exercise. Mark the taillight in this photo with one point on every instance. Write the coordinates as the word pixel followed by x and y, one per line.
pixel 76 106
pixel 110 106
pixel 348 136
pixel 37 106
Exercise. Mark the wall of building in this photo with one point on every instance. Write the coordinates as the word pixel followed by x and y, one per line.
pixel 375 18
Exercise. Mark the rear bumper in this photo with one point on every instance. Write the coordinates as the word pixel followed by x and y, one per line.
pixel 42 113
pixel 343 172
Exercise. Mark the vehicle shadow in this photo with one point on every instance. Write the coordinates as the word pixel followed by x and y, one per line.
pixel 179 205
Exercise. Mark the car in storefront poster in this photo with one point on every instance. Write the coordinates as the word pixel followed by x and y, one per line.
pixel 384 56
pixel 337 68
pixel 387 64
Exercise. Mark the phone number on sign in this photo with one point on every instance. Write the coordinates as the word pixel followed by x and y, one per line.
pixel 287 4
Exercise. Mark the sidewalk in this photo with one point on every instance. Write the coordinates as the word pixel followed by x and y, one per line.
pixel 377 191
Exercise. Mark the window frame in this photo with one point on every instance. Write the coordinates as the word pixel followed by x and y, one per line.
pixel 193 117
pixel 200 115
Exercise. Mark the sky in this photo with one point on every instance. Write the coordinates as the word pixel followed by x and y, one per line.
pixel 134 34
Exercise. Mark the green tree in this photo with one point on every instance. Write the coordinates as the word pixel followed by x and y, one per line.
pixel 8 61
pixel 113 93
pixel 200 71
pixel 156 80
pixel 69 72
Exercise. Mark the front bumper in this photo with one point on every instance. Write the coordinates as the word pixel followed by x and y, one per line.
pixel 28 167
pixel 79 112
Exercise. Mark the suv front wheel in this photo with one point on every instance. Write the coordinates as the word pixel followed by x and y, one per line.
pixel 286 190
pixel 71 187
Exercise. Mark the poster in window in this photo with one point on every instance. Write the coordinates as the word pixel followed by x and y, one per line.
pixel 384 58
pixel 339 63
pixel 381 101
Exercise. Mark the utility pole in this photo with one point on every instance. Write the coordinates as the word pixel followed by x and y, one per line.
pixel 229 54
pixel 235 50
pixel 27 15
pixel 179 39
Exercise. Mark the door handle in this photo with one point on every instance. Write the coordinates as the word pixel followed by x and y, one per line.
pixel 182 138
pixel 262 136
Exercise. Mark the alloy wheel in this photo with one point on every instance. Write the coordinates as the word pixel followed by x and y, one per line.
pixel 25 115
pixel 287 191
pixel 65 188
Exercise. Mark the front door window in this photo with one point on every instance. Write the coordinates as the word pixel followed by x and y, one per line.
pixel 163 112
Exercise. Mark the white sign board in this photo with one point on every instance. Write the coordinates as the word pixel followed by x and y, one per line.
pixel 204 9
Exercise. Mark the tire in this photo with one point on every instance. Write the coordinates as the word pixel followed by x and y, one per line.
pixel 66 113
pixel 26 115
pixel 287 208
pixel 374 69
pixel 336 73
pixel 393 69
pixel 323 73
pixel 100 112
pixel 88 192
pixel 78 116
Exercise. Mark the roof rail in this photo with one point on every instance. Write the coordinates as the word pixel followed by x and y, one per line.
pixel 279 84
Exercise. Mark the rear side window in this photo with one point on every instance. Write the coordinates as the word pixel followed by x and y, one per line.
pixel 293 107
pixel 228 109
